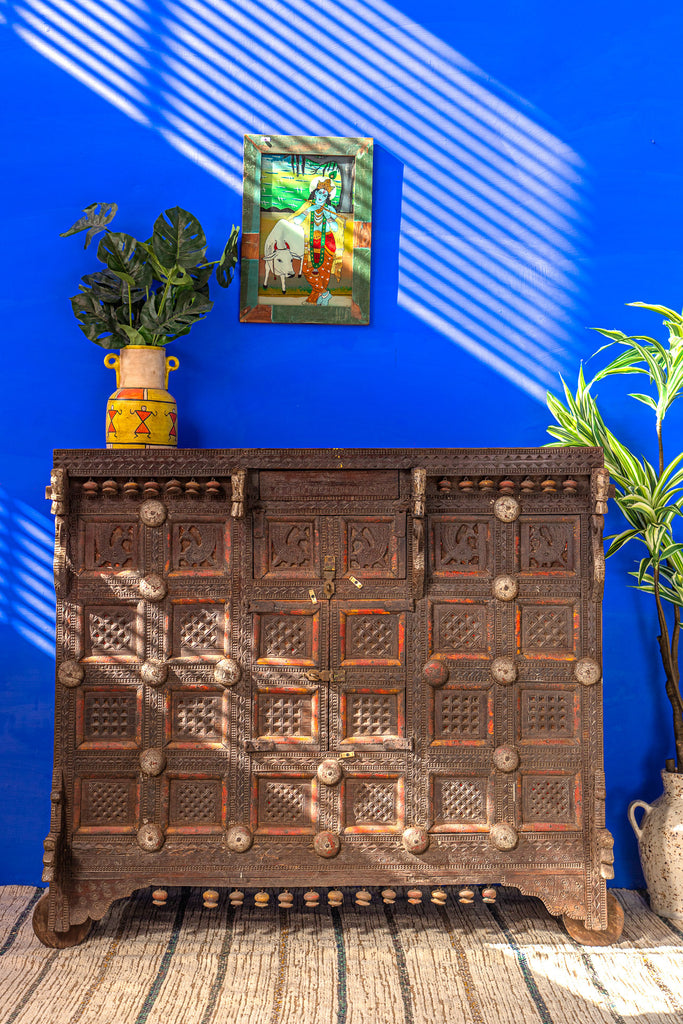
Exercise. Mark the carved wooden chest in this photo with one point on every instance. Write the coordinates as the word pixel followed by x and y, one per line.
pixel 282 668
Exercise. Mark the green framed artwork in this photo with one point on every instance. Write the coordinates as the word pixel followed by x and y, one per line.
pixel 306 230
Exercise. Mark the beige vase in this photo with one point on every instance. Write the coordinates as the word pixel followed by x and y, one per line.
pixel 141 413
pixel 660 840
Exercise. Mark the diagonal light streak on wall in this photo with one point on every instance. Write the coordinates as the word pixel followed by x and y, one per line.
pixel 491 236
pixel 27 599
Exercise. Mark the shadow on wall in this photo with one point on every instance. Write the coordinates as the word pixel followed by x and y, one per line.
pixel 27 597
pixel 490 234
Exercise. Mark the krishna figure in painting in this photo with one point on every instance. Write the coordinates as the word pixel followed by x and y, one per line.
pixel 323 239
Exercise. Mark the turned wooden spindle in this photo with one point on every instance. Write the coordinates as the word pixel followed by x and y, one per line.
pixel 285 899
pixel 312 898
pixel 210 897
pixel 363 898
pixel 261 899
pixel 466 895
pixel 388 895
pixel 236 898
pixel 414 896
pixel 439 897
pixel 335 897
pixel 159 897
pixel 488 894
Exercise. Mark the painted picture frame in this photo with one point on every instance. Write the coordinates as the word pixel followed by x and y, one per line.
pixel 306 230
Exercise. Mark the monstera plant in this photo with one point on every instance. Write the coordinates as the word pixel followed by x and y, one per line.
pixel 147 292
pixel 648 496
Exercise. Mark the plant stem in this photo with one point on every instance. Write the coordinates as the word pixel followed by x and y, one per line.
pixel 660 444
pixel 669 649
pixel 130 306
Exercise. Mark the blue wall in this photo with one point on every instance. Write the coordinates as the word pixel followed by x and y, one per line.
pixel 527 184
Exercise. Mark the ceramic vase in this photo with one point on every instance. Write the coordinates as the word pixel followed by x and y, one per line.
pixel 141 413
pixel 660 840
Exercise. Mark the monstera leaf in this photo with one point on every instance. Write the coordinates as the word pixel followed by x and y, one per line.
pixel 120 253
pixel 177 317
pixel 228 260
pixel 97 320
pixel 178 241
pixel 148 292
pixel 93 222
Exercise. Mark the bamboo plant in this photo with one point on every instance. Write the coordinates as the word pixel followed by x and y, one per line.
pixel 648 496
pixel 151 292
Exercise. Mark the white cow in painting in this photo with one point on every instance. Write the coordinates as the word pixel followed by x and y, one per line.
pixel 284 245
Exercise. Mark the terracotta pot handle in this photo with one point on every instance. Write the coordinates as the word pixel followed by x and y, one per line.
pixel 172 363
pixel 112 362
pixel 632 807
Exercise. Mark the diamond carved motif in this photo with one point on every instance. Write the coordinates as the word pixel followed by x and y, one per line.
pixel 547 628
pixel 284 637
pixel 201 629
pixel 197 717
pixel 460 628
pixel 110 716
pixel 547 799
pixel 371 637
pixel 375 803
pixel 112 632
pixel 106 802
pixel 196 802
pixel 461 800
pixel 547 715
pixel 370 714
pixel 283 803
pixel 284 715
pixel 460 714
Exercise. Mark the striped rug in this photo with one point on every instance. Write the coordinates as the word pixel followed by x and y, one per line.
pixel 182 964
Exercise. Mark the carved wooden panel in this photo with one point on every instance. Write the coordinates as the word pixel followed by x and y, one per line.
pixel 461 628
pixel 369 715
pixel 265 653
pixel 286 547
pixel 110 546
pixel 462 716
pixel 108 718
pixel 460 546
pixel 373 547
pixel 194 804
pixel 106 804
pixel 284 803
pixel 198 547
pixel 287 715
pixel 289 635
pixel 548 629
pixel 549 546
pixel 373 803
pixel 371 635
pixel 460 803
pixel 113 631
pixel 550 800
pixel 198 630
pixel 549 715
pixel 196 717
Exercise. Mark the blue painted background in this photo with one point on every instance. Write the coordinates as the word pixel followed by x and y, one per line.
pixel 527 184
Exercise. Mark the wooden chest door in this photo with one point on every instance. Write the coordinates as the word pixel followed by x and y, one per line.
pixel 328 623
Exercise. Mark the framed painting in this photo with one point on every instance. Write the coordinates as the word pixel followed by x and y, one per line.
pixel 306 230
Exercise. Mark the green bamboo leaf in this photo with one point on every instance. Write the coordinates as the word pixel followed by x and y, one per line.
pixel 670 314
pixel 645 399
pixel 620 540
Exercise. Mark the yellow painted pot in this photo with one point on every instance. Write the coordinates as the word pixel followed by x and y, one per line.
pixel 141 413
